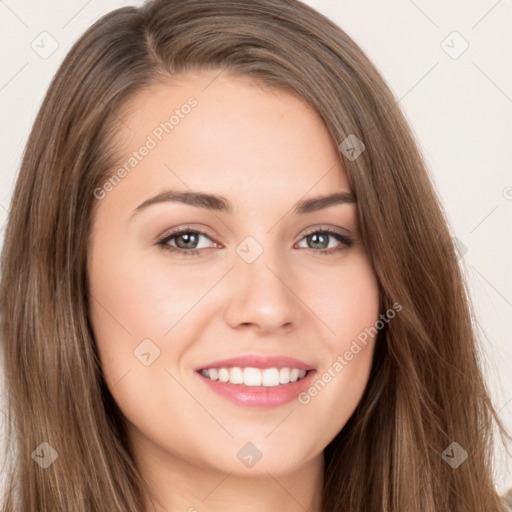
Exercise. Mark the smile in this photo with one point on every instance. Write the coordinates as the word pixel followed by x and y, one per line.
pixel 255 387
pixel 255 376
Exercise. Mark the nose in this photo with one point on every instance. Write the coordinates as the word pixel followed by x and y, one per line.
pixel 261 296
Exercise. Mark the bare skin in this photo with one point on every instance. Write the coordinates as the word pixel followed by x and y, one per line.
pixel 264 151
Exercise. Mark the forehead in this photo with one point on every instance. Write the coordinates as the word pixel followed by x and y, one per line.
pixel 225 134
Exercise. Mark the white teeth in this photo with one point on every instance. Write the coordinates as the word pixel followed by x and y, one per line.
pixel 284 375
pixel 252 376
pixel 223 374
pixel 255 376
pixel 236 376
pixel 270 377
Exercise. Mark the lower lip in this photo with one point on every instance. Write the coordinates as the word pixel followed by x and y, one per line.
pixel 259 396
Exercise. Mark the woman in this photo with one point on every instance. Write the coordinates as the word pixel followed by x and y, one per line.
pixel 176 339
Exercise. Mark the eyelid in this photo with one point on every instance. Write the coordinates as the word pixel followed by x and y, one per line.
pixel 186 227
pixel 183 229
pixel 324 227
pixel 345 240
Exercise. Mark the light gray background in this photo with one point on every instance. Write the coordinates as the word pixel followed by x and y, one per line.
pixel 459 108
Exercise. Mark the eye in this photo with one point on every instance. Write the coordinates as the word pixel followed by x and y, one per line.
pixel 186 241
pixel 319 238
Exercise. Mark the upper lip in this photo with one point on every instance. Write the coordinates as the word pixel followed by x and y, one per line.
pixel 258 361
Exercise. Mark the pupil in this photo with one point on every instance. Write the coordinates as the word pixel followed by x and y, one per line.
pixel 315 237
pixel 191 239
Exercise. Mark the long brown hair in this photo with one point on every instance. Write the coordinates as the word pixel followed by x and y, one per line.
pixel 426 388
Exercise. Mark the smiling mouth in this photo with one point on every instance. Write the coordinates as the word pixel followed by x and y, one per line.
pixel 255 377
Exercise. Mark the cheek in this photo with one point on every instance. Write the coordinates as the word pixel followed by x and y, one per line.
pixel 131 311
pixel 133 302
pixel 141 300
pixel 350 303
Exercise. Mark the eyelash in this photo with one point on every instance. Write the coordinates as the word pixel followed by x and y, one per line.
pixel 162 242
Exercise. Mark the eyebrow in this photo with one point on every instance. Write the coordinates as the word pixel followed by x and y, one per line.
pixel 222 204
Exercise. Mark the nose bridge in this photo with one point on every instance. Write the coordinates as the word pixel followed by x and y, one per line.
pixel 260 291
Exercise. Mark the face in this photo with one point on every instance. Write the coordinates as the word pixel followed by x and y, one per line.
pixel 256 277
